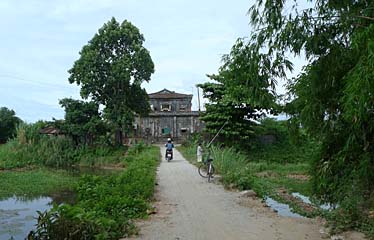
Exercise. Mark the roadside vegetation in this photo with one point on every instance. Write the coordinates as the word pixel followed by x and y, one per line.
pixel 278 170
pixel 266 168
pixel 107 205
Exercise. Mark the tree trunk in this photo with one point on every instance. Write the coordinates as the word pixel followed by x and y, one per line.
pixel 119 136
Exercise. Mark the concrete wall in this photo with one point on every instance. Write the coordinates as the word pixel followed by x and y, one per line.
pixel 175 104
pixel 181 123
pixel 180 126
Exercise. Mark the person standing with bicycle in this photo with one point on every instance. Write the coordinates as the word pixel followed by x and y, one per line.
pixel 199 153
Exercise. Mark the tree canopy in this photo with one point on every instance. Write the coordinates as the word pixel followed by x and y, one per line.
pixel 82 120
pixel 8 124
pixel 110 71
pixel 241 93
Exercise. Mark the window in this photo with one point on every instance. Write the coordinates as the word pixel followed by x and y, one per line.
pixel 165 131
pixel 165 107
pixel 182 107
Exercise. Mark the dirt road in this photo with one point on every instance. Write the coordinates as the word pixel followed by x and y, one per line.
pixel 190 208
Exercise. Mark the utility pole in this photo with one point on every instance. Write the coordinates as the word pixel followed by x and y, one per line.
pixel 198 97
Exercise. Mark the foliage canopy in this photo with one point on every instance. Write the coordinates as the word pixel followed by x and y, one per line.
pixel 243 91
pixel 111 69
pixel 8 124
pixel 82 120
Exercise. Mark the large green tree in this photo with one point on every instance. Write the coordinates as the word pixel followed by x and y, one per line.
pixel 333 97
pixel 110 71
pixel 8 124
pixel 236 119
pixel 242 92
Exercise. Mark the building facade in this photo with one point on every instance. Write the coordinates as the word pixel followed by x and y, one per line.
pixel 170 116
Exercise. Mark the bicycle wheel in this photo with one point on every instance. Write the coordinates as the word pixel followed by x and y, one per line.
pixel 210 172
pixel 203 170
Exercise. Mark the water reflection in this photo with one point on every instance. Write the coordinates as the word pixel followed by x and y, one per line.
pixel 305 199
pixel 281 208
pixel 18 215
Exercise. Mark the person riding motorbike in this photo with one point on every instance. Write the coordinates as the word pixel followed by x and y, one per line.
pixel 169 148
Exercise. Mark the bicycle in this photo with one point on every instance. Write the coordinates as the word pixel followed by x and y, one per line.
pixel 206 169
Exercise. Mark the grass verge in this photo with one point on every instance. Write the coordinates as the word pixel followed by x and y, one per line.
pixel 255 172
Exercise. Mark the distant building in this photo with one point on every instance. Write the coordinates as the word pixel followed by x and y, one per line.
pixel 170 116
pixel 51 131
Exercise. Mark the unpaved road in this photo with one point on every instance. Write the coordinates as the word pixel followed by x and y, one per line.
pixel 190 208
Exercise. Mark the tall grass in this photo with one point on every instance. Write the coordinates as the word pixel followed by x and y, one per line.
pixel 233 167
pixel 243 170
pixel 32 148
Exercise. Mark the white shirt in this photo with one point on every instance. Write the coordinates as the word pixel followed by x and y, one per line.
pixel 199 151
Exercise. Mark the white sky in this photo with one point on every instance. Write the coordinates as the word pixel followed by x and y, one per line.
pixel 41 39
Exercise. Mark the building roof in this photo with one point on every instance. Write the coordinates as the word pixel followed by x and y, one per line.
pixel 168 94
pixel 50 130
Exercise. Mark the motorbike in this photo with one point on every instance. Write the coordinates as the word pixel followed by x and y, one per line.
pixel 169 155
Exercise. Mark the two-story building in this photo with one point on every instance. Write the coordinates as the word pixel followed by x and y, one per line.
pixel 170 116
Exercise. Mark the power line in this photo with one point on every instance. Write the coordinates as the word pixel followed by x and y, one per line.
pixel 34 82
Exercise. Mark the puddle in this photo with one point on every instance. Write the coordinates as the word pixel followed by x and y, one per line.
pixel 303 198
pixel 306 200
pixel 18 216
pixel 282 209
pixel 328 206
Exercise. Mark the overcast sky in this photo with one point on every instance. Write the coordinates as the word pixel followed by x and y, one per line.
pixel 41 39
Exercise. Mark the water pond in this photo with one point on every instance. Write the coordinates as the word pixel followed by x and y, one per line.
pixel 18 214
